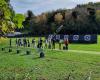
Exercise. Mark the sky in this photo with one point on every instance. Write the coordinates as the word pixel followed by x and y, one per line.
pixel 40 6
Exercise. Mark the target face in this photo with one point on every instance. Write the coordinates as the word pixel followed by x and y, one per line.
pixel 76 37
pixel 87 37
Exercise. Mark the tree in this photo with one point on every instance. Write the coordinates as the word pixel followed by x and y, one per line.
pixel 98 16
pixel 83 19
pixel 28 21
pixel 58 18
pixel 29 15
pixel 6 17
pixel 74 15
pixel 98 19
pixel 18 19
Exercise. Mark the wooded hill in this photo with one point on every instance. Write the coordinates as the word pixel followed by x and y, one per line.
pixel 83 19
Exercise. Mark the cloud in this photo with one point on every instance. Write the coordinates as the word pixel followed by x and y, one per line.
pixel 39 6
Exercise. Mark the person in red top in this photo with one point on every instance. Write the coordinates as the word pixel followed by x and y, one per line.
pixel 66 42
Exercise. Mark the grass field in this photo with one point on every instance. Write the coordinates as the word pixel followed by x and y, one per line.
pixel 57 65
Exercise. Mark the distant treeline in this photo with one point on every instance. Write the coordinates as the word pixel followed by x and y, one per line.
pixel 83 19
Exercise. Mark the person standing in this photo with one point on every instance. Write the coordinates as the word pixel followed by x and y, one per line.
pixel 49 43
pixel 33 42
pixel 41 41
pixel 60 42
pixel 19 42
pixel 53 43
pixel 46 43
pixel 66 42
pixel 24 42
pixel 10 42
pixel 16 42
pixel 28 43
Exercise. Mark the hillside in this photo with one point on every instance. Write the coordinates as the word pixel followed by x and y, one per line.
pixel 76 21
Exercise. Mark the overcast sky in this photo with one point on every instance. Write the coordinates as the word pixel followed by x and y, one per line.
pixel 39 6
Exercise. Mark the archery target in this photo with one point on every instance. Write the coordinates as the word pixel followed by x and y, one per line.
pixel 87 37
pixel 76 37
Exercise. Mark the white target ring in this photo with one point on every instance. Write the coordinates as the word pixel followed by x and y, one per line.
pixel 76 37
pixel 87 37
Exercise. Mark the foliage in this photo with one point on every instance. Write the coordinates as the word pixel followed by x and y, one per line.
pixel 75 21
pixel 18 19
pixel 98 19
pixel 6 17
pixel 3 40
pixel 58 18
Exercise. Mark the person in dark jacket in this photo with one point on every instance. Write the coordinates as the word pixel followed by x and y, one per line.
pixel 53 43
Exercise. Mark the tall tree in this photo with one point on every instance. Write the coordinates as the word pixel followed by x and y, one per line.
pixel 28 21
pixel 18 19
pixel 6 17
pixel 58 18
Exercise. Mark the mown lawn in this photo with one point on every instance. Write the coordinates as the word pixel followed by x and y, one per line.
pixel 57 65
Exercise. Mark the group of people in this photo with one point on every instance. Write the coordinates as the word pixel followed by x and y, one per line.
pixel 23 42
pixel 52 44
pixel 40 43
pixel 27 43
